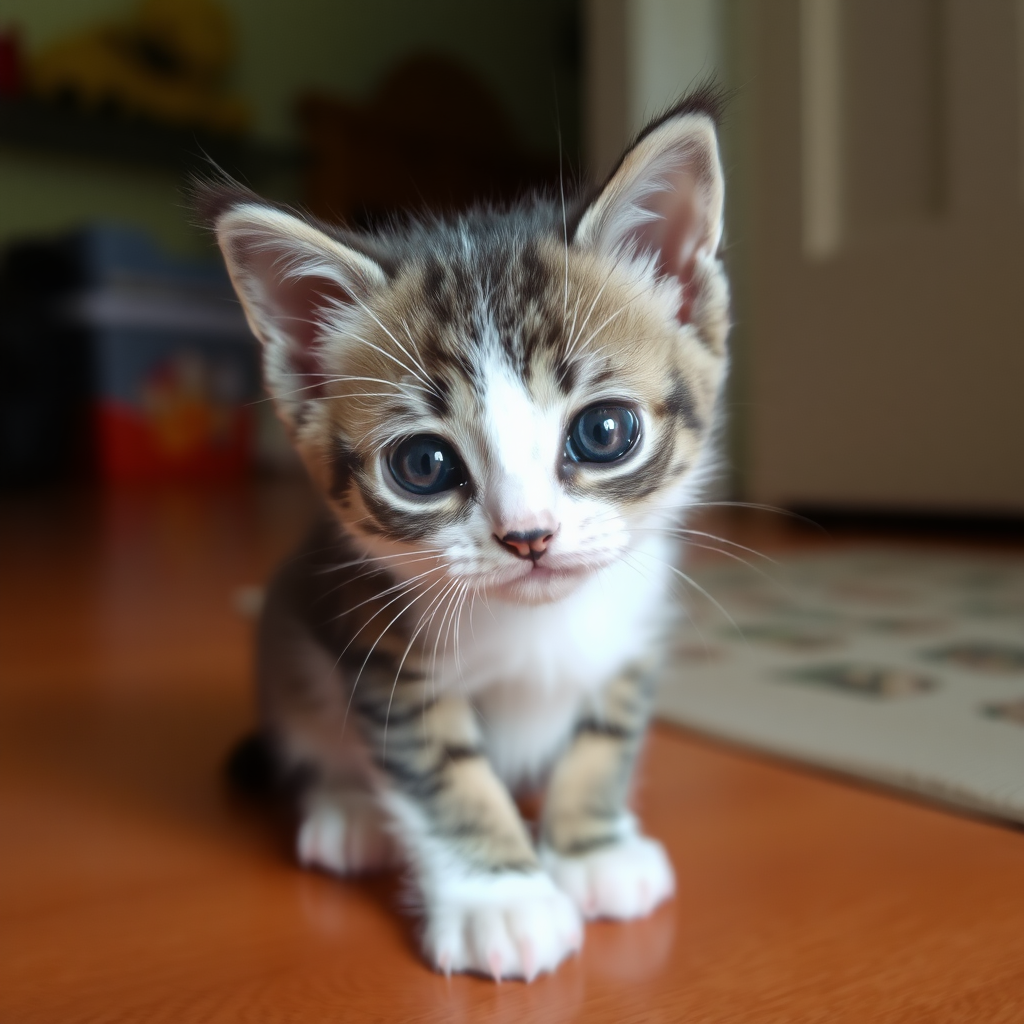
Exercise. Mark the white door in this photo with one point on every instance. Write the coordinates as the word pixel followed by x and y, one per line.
pixel 886 259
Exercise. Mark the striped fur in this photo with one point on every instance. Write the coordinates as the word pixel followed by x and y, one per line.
pixel 413 667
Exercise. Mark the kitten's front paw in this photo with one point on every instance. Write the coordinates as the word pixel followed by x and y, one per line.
pixel 344 832
pixel 623 881
pixel 505 926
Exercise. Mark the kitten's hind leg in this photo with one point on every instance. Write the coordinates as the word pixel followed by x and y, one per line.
pixel 344 831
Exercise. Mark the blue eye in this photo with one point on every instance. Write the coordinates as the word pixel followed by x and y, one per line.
pixel 603 433
pixel 426 465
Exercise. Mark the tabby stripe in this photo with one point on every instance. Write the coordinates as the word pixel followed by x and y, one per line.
pixel 456 752
pixel 680 405
pixel 423 784
pixel 379 714
pixel 609 729
pixel 383 664
pixel 580 847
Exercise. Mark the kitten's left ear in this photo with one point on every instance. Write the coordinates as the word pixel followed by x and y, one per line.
pixel 664 201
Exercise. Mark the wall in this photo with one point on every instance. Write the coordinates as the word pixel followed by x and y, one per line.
pixel 525 53
pixel 641 56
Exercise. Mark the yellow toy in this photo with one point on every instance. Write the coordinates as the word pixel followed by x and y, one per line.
pixel 166 62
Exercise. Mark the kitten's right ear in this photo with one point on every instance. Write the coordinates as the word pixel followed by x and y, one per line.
pixel 294 282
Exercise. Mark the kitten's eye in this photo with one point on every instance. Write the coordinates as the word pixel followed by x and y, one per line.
pixel 426 465
pixel 603 433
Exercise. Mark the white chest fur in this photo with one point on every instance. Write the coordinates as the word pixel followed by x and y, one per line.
pixel 527 669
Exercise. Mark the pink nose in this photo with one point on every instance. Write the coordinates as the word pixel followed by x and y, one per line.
pixel 526 544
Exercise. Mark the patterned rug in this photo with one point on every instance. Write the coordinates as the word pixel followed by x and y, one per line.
pixel 904 668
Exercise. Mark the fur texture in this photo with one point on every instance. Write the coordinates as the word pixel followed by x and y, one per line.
pixel 428 652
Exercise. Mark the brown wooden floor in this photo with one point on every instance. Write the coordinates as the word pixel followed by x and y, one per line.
pixel 134 888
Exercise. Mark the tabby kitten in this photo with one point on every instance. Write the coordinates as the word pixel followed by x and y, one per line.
pixel 506 413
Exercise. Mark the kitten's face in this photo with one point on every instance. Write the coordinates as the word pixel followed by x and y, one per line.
pixel 504 403
pixel 523 425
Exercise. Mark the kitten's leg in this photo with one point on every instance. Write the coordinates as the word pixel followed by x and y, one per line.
pixel 343 830
pixel 591 844
pixel 303 698
pixel 490 908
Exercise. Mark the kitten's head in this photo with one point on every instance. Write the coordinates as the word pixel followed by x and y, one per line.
pixel 506 399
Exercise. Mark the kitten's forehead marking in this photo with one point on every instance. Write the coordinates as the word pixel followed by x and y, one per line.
pixel 499 296
pixel 521 440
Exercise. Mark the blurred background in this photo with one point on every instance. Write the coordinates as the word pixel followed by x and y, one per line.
pixel 876 178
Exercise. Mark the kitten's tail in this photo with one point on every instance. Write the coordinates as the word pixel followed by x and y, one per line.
pixel 252 767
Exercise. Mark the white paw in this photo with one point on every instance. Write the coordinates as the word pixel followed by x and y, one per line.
pixel 623 881
pixel 505 926
pixel 343 831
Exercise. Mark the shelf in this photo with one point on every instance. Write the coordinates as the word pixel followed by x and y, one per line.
pixel 65 130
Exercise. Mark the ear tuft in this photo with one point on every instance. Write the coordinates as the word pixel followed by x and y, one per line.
pixel 214 195
pixel 707 97
pixel 664 202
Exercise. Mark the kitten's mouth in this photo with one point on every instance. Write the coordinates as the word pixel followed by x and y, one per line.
pixel 541 572
pixel 542 582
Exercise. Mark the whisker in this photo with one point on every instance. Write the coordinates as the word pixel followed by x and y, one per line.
pixel 387 715
pixel 400 385
pixel 680 593
pixel 683 532
pixel 418 357
pixel 421 624
pixel 452 592
pixel 430 622
pixel 750 565
pixel 372 570
pixel 379 611
pixel 565 228
pixel 606 322
pixel 363 575
pixel 446 621
pixel 456 645
pixel 403 585
pixel 696 586
pixel 366 309
pixel 572 328
pixel 573 336
pixel 758 507
pixel 449 591
pixel 408 369
pixel 364 559
pixel 453 622
pixel 401 664
pixel 380 636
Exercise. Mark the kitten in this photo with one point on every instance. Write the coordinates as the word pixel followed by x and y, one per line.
pixel 506 413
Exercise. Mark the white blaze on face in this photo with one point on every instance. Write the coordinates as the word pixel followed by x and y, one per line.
pixel 524 444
